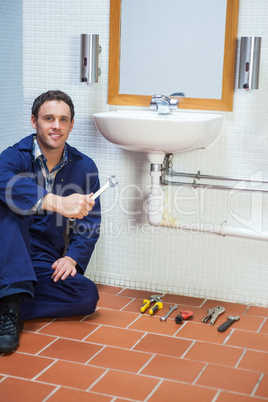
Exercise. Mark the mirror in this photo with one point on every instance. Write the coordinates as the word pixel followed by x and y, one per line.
pixel 123 46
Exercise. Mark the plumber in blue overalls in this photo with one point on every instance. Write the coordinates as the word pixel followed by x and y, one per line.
pixel 49 223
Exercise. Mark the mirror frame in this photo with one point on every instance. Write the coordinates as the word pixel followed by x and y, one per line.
pixel 228 80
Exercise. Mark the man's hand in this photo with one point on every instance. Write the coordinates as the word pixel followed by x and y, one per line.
pixel 73 206
pixel 63 267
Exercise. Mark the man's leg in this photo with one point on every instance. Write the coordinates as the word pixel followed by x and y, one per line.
pixel 76 295
pixel 16 275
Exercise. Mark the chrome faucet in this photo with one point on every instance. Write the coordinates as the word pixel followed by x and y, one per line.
pixel 163 104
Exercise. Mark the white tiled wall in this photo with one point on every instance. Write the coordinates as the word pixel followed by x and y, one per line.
pixel 11 92
pixel 130 252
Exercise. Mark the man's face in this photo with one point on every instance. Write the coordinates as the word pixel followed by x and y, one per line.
pixel 53 125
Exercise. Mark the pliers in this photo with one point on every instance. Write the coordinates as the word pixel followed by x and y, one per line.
pixel 153 299
pixel 213 314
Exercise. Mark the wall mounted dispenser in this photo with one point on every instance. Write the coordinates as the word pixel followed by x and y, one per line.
pixel 90 50
pixel 250 51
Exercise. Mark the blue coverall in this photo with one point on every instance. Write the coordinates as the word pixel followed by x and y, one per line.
pixel 30 243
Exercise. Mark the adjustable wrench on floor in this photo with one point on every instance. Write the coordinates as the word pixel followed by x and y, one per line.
pixel 111 182
pixel 171 309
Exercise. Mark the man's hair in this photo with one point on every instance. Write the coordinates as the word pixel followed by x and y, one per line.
pixel 50 96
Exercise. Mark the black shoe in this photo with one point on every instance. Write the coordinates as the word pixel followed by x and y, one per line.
pixel 10 323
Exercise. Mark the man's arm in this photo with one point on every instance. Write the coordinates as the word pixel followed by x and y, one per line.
pixel 73 206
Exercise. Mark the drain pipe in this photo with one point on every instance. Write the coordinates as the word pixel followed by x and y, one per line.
pixel 157 209
pixel 155 205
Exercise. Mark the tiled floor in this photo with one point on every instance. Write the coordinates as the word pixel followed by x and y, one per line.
pixel 119 354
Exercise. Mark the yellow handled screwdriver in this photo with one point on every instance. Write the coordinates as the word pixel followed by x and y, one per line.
pixel 146 304
pixel 157 306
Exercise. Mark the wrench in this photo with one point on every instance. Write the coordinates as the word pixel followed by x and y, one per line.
pixel 111 182
pixel 228 323
pixel 171 308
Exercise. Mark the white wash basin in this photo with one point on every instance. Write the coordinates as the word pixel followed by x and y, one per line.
pixel 147 131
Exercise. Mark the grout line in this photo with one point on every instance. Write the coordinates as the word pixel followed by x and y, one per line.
pixel 97 380
pixel 179 329
pixel 146 364
pixel 216 396
pixel 241 357
pixel 45 369
pixel 153 390
pixel 98 327
pixel 49 344
pixel 228 337
pixel 257 385
pixel 247 308
pixel 51 393
pixel 131 301
pixel 44 326
pixel 138 341
pixel 96 354
pixel 132 322
pixel 199 375
pixel 122 290
pixel 187 350
pixel 262 324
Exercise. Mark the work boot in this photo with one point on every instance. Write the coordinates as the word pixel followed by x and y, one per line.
pixel 10 323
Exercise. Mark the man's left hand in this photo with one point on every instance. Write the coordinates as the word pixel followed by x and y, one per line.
pixel 63 267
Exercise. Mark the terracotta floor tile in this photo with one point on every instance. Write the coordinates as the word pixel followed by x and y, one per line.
pixel 259 311
pixel 230 397
pixel 68 329
pixel 112 301
pixel 112 290
pixel 212 353
pixel 22 365
pixel 173 368
pixel 71 395
pixel 262 390
pixel 120 355
pixel 255 361
pixel 124 338
pixel 183 301
pixel 112 317
pixel 164 345
pixel 32 343
pixel 153 324
pixel 120 359
pixel 177 392
pixel 17 390
pixel 249 340
pixel 72 375
pixel 66 349
pixel 264 329
pixel 125 385
pixel 202 332
pixel 229 379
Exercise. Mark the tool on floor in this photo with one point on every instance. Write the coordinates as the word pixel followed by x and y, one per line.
pixel 213 314
pixel 228 323
pixel 171 309
pixel 153 299
pixel 184 315
pixel 111 182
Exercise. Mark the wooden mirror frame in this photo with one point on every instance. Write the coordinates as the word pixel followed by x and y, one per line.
pixel 223 104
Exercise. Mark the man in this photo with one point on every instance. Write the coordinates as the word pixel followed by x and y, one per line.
pixel 44 182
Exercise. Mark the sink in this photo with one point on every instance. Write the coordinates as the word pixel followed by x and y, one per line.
pixel 147 131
